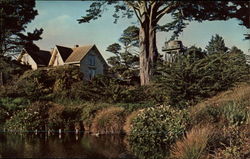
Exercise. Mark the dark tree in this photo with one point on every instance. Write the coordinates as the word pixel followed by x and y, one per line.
pixel 216 45
pixel 149 13
pixel 14 17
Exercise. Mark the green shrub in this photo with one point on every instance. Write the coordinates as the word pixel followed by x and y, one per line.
pixel 14 104
pixel 45 115
pixel 11 69
pixel 208 114
pixel 232 113
pixel 29 119
pixel 187 81
pixel 235 113
pixel 158 126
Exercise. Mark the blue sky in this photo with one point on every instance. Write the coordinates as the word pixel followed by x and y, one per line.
pixel 59 21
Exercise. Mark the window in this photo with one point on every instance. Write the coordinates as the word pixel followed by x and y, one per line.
pixel 91 60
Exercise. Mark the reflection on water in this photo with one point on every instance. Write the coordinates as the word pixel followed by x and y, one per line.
pixel 82 146
pixel 72 146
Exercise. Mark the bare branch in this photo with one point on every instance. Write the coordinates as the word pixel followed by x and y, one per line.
pixel 138 15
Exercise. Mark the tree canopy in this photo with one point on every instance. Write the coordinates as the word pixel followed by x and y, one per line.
pixel 149 13
pixel 15 15
pixel 125 62
pixel 216 45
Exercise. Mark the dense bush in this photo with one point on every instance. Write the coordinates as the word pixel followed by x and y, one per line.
pixel 44 84
pixel 14 104
pixel 188 80
pixel 158 126
pixel 229 113
pixel 44 116
pixel 235 113
pixel 110 90
pixel 11 69
pixel 29 119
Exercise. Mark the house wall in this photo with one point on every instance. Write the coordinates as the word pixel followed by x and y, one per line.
pixel 85 68
pixel 27 60
pixel 58 61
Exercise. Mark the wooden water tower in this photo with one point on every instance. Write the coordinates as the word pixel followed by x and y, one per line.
pixel 172 49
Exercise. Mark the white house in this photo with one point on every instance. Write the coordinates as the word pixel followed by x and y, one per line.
pixel 87 57
pixel 35 59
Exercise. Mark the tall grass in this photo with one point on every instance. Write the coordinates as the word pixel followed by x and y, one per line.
pixel 108 121
pixel 128 122
pixel 193 146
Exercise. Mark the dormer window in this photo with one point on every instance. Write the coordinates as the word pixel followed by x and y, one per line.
pixel 91 60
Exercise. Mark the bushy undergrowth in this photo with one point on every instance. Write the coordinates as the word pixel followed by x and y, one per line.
pixel 11 69
pixel 158 126
pixel 187 81
pixel 230 113
pixel 43 84
pixel 44 116
pixel 14 104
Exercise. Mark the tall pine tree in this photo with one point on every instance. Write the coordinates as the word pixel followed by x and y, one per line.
pixel 126 60
pixel 14 17
pixel 216 45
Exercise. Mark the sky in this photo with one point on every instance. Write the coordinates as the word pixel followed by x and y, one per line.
pixel 59 21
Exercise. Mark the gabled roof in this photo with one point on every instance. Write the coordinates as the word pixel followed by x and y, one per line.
pixel 41 57
pixel 79 53
pixel 65 52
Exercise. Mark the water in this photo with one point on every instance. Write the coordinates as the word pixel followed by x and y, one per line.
pixel 68 146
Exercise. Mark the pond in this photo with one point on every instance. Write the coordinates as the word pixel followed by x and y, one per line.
pixel 66 146
pixel 69 145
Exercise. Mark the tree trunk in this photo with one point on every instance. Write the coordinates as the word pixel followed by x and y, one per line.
pixel 148 48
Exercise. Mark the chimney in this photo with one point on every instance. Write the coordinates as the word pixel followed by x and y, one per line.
pixel 76 45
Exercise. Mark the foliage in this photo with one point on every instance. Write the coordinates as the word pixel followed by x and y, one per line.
pixel 89 111
pixel 108 121
pixel 194 144
pixel 235 144
pixel 11 69
pixel 44 116
pixel 229 113
pixel 158 126
pixel 29 119
pixel 111 90
pixel 4 115
pixel 14 104
pixel 125 62
pixel 43 84
pixel 188 80
pixel 150 13
pixel 216 45
pixel 15 15
pixel 128 121
pixel 235 113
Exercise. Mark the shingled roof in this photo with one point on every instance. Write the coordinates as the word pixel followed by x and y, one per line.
pixel 41 57
pixel 78 53
pixel 65 52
